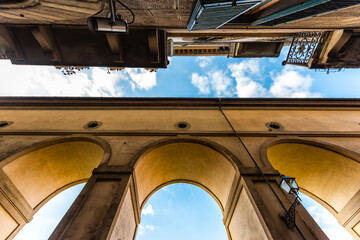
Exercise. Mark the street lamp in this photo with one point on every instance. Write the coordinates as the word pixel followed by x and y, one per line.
pixel 290 186
pixel 113 24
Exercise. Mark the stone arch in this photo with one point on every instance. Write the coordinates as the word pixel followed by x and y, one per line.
pixel 185 161
pixel 204 165
pixel 110 204
pixel 184 181
pixel 34 174
pixel 328 173
pixel 206 142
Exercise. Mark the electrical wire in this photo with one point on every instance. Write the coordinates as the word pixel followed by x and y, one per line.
pixel 102 8
pixel 132 13
pixel 256 165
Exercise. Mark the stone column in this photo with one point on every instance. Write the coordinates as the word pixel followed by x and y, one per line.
pixel 104 209
pixel 107 208
pixel 254 211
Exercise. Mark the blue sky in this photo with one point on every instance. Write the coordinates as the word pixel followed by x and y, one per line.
pixel 180 208
pixel 185 77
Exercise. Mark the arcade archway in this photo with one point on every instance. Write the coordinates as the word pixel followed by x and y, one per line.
pixel 198 164
pixel 327 173
pixel 111 203
pixel 34 175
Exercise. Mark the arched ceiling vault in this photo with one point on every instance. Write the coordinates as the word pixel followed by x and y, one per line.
pixel 185 162
pixel 332 178
pixel 41 173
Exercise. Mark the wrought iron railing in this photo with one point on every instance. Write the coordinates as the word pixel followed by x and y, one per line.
pixel 303 47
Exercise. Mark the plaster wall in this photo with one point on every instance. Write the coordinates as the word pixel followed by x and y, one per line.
pixel 39 173
pixel 205 120
pixel 245 216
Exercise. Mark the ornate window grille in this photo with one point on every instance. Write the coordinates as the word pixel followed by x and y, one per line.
pixel 303 47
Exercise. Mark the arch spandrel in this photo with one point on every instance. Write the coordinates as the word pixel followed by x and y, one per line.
pixel 185 162
pixel 42 172
pixel 332 178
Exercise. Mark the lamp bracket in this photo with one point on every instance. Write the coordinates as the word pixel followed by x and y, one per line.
pixel 289 216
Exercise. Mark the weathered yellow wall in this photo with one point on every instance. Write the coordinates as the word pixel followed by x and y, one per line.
pixel 200 120
pixel 44 171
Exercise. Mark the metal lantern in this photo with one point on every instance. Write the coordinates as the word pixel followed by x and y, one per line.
pixel 289 185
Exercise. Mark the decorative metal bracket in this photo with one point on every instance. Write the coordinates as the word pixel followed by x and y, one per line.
pixel 303 47
pixel 289 216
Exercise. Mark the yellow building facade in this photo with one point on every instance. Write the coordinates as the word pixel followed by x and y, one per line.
pixel 126 149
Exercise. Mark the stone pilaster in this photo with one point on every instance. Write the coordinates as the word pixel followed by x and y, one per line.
pixel 254 212
pixel 103 209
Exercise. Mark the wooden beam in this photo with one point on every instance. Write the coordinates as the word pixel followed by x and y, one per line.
pixel 116 47
pixel 43 36
pixel 8 41
pixel 153 40
pixel 340 43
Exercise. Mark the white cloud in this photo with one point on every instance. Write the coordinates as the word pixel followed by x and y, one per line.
pixel 19 80
pixel 201 82
pixel 291 83
pixel 143 78
pixel 325 220
pixel 217 80
pixel 148 210
pixel 132 85
pixel 150 227
pixel 245 74
pixel 204 61
pixel 220 83
pixel 141 229
pixel 47 81
pixel 166 189
pixel 337 234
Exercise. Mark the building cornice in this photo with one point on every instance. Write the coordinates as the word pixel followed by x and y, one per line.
pixel 9 102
